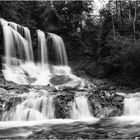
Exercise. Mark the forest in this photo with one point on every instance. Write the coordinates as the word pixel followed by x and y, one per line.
pixel 106 44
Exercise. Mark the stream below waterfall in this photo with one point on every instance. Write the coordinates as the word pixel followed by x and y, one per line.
pixel 112 128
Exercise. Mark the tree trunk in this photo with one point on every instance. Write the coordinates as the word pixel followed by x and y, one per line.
pixel 130 7
pixel 121 16
pixel 117 8
pixel 134 20
pixel 114 33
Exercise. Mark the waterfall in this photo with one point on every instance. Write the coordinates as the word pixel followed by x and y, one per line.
pixel 60 50
pixel 132 105
pixel 21 69
pixel 13 25
pixel 12 39
pixel 80 108
pixel 35 108
pixel 28 38
pixel 19 65
pixel 25 32
pixel 43 46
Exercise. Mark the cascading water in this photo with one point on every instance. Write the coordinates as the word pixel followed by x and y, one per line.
pixel 80 108
pixel 25 32
pixel 132 105
pixel 40 104
pixel 28 38
pixel 15 33
pixel 35 108
pixel 43 46
pixel 21 68
pixel 18 49
pixel 60 50
pixel 17 40
pixel 16 52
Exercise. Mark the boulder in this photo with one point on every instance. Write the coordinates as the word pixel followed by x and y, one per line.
pixel 59 79
pixel 87 84
pixel 11 86
pixel 62 104
pixel 105 104
pixel 72 85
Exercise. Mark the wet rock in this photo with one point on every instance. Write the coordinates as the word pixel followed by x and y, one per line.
pixel 21 89
pixel 59 79
pixel 72 85
pixel 11 86
pixel 2 80
pixel 8 101
pixel 86 84
pixel 105 104
pixel 47 88
pixel 63 105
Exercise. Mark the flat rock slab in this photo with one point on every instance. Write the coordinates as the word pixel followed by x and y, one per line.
pixel 72 85
pixel 60 79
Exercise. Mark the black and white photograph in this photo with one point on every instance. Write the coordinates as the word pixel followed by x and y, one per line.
pixel 69 69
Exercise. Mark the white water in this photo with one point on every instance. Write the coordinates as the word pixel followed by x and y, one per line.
pixel 132 105
pixel 11 39
pixel 43 46
pixel 80 108
pixel 25 32
pixel 59 47
pixel 18 60
pixel 28 38
pixel 35 108
pixel 13 36
pixel 40 106
pixel 19 67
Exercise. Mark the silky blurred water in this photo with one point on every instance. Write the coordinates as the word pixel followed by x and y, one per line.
pixel 114 128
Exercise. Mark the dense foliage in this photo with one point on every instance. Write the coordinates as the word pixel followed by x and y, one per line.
pixel 110 40
pixel 120 39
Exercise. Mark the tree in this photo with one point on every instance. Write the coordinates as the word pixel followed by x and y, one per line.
pixel 8 10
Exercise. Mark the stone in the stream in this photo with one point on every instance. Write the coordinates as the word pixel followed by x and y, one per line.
pixel 105 104
pixel 11 86
pixel 59 79
pixel 62 104
pixel 72 85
